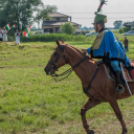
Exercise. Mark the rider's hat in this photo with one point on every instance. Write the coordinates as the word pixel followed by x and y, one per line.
pixel 100 18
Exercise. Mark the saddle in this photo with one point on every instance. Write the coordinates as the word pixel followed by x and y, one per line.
pixel 129 74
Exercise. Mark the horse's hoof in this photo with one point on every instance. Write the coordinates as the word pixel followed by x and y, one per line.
pixel 91 132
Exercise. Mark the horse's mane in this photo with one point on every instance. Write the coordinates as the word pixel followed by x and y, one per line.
pixel 76 49
pixel 79 51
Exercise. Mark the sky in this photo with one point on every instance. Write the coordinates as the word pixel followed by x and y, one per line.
pixel 82 11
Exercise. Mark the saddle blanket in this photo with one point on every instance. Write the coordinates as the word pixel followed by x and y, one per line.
pixel 129 74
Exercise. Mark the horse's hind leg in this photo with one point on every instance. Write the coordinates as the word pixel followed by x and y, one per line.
pixel 118 113
pixel 90 104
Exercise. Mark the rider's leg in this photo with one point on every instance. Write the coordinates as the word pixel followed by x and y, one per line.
pixel 117 70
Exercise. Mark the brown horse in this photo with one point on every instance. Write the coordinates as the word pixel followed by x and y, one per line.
pixel 102 89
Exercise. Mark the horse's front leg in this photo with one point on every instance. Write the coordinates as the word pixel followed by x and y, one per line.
pixel 90 104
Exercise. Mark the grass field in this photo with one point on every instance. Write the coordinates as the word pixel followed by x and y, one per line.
pixel 33 103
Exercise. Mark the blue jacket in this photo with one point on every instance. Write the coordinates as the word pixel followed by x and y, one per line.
pixel 126 61
pixel 107 47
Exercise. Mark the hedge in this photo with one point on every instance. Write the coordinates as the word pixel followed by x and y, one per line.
pixel 53 37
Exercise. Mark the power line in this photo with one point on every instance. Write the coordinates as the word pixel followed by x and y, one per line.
pixel 108 18
pixel 93 13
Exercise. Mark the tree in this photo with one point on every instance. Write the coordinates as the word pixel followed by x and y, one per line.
pixel 67 28
pixel 117 24
pixel 18 12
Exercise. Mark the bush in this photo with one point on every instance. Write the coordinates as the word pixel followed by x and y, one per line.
pixel 121 30
pixel 47 38
pixel 11 38
pixel 67 28
pixel 12 32
pixel 84 32
pixel 80 38
pixel 124 29
pixel 53 37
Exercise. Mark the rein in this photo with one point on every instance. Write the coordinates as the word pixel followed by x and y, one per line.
pixel 89 85
pixel 67 72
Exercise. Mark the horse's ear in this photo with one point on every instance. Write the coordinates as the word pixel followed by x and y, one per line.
pixel 63 41
pixel 58 43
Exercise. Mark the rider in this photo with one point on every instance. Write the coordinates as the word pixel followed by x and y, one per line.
pixel 108 48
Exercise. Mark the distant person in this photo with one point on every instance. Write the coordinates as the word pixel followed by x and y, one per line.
pixel 126 44
pixel 120 44
pixel 4 34
pixel 1 35
pixel 17 37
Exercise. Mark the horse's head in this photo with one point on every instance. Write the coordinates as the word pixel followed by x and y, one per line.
pixel 57 59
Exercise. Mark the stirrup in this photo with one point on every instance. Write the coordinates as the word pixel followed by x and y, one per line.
pixel 120 88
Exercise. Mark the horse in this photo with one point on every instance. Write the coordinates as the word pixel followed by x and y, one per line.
pixel 93 78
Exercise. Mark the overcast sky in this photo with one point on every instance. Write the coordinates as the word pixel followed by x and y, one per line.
pixel 82 11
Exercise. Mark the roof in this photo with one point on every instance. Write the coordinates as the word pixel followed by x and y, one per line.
pixel 48 22
pixel 129 23
pixel 60 23
pixel 57 14
pixel 55 23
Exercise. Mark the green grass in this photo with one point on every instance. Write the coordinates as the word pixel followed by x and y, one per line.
pixel 31 102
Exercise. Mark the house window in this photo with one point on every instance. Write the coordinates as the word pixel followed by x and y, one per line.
pixel 46 30
pixel 57 18
pixel 50 30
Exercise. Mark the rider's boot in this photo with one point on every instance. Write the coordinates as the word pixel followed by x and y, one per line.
pixel 120 87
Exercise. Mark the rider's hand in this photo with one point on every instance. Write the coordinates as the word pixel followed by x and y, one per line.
pixel 130 68
pixel 84 51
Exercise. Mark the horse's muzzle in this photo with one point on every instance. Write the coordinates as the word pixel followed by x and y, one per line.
pixel 49 70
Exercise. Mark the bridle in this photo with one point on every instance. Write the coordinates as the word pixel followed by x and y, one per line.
pixel 57 58
pixel 67 72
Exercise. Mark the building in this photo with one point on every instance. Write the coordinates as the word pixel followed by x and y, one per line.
pixel 129 24
pixel 56 20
